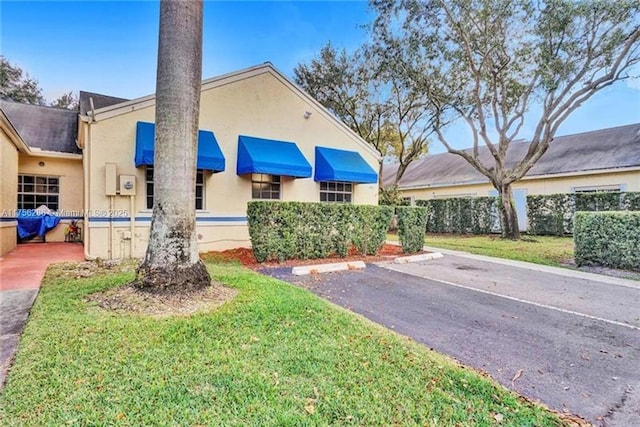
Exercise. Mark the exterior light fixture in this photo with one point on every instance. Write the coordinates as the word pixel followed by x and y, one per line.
pixel 307 114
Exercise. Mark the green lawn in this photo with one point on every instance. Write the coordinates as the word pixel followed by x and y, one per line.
pixel 547 250
pixel 275 355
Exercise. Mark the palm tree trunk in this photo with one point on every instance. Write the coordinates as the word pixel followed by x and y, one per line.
pixel 172 261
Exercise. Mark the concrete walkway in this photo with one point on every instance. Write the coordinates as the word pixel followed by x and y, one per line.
pixel 21 272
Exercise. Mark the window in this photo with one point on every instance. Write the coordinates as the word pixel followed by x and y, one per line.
pixel 598 189
pixel 199 188
pixel 336 192
pixel 35 191
pixel 264 186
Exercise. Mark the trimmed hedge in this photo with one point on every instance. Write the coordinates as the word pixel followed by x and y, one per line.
pixel 462 215
pixel 297 230
pixel 412 226
pixel 610 239
pixel 550 214
pixel 553 214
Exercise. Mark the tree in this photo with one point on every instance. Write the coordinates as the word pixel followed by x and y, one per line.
pixel 500 64
pixel 172 262
pixel 17 85
pixel 67 100
pixel 363 91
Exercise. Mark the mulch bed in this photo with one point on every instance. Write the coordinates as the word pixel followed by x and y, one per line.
pixel 246 258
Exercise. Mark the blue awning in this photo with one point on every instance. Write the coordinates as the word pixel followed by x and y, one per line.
pixel 210 156
pixel 342 165
pixel 258 155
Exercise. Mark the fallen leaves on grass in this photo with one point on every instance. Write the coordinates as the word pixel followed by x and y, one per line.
pixel 131 300
pixel 310 408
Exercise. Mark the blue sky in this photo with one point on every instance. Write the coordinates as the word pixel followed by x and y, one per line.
pixel 110 47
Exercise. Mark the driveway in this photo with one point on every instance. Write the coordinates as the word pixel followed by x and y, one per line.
pixel 21 272
pixel 568 339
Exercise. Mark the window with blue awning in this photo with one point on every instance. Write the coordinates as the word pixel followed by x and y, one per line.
pixel 272 157
pixel 209 155
pixel 341 165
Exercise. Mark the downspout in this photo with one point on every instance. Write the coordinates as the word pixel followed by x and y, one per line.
pixel 111 227
pixel 86 160
pixel 86 167
pixel 132 222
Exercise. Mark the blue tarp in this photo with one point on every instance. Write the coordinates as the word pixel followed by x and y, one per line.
pixel 210 155
pixel 32 223
pixel 342 165
pixel 258 155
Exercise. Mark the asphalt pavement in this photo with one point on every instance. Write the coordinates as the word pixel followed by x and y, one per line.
pixel 564 338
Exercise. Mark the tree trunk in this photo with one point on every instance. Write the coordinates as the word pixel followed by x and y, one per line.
pixel 402 168
pixel 508 213
pixel 172 262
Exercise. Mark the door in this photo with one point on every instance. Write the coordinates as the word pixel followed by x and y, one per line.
pixel 520 200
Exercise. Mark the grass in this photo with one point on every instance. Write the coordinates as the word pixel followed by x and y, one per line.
pixel 546 250
pixel 275 355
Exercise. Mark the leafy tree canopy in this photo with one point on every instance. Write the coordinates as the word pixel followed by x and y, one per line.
pixel 18 86
pixel 365 91
pixel 67 100
pixel 502 65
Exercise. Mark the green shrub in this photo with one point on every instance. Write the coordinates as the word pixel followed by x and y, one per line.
pixel 550 214
pixel 553 214
pixel 370 225
pixel 412 226
pixel 296 230
pixel 461 215
pixel 391 196
pixel 610 239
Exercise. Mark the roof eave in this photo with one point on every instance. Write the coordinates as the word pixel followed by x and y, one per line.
pixel 36 152
pixel 13 134
pixel 525 178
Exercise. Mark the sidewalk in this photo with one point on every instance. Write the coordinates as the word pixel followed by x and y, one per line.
pixel 21 272
pixel 24 267
pixel 567 272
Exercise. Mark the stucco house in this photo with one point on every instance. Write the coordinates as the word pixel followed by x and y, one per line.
pixel 261 137
pixel 40 165
pixel 601 160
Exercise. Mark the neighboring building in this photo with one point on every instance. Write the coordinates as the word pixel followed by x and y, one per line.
pixel 261 137
pixel 11 146
pixel 41 165
pixel 602 160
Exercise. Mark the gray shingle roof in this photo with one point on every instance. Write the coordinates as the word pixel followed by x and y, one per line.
pixel 99 101
pixel 47 128
pixel 611 148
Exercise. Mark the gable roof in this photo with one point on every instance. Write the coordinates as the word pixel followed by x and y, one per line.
pixel 149 100
pixel 99 101
pixel 603 149
pixel 47 128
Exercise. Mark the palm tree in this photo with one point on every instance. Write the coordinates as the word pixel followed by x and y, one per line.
pixel 172 261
